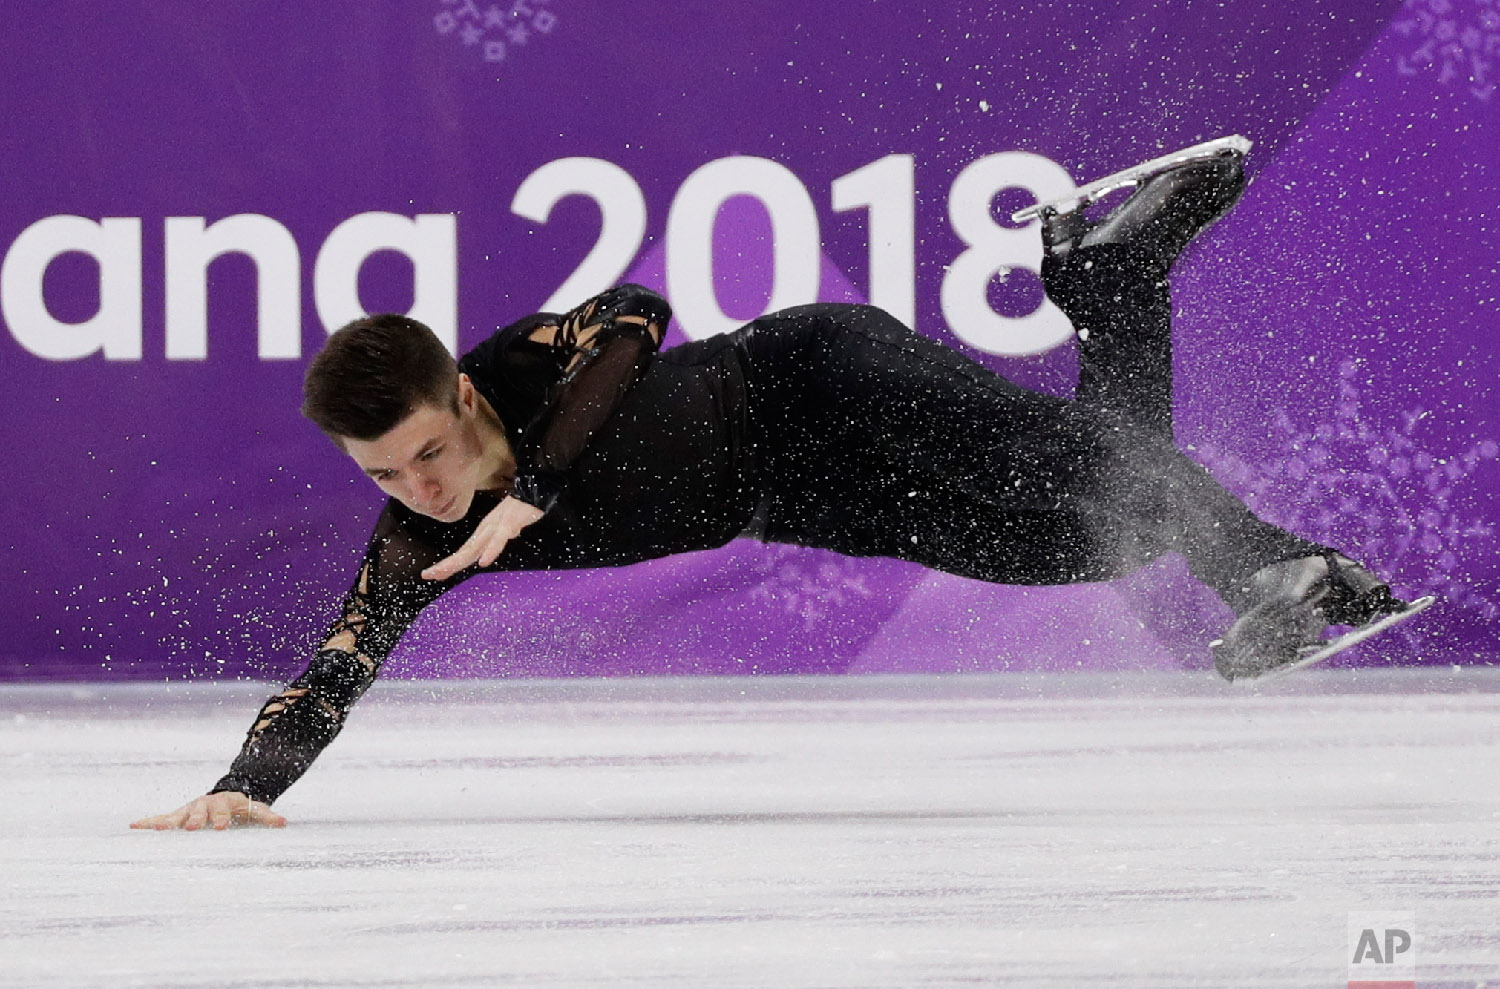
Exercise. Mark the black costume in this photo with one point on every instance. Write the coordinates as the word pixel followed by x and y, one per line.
pixel 824 425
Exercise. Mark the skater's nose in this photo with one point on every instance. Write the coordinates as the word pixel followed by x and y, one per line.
pixel 427 490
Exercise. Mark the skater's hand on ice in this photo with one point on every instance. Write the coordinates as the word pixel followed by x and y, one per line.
pixel 504 523
pixel 216 810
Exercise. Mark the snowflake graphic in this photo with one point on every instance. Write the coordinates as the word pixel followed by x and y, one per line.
pixel 807 584
pixel 1458 38
pixel 494 32
pixel 1397 509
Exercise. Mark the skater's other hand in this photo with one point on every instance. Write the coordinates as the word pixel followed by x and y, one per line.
pixel 215 810
pixel 504 523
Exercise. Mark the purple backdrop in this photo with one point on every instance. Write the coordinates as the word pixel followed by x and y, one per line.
pixel 171 514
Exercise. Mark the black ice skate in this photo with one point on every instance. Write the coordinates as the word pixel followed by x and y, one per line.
pixel 1293 603
pixel 1178 196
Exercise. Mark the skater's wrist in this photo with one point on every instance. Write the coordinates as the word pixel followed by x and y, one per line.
pixel 538 488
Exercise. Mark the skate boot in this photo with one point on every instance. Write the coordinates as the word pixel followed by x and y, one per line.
pixel 1293 602
pixel 1178 196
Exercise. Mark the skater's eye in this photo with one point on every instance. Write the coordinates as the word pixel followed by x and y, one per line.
pixel 431 454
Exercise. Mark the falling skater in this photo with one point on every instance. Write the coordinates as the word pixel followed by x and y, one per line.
pixel 567 441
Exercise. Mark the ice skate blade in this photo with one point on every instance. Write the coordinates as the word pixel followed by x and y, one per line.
pixel 1133 176
pixel 1316 654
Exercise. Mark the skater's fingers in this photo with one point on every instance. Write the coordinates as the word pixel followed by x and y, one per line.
pixel 155 821
pixel 448 566
pixel 197 816
pixel 163 822
pixel 197 813
pixel 494 548
pixel 217 810
pixel 464 556
pixel 509 518
pixel 504 522
pixel 264 816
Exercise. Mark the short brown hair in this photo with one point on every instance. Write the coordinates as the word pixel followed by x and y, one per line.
pixel 373 373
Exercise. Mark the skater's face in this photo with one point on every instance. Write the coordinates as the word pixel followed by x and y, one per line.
pixel 433 460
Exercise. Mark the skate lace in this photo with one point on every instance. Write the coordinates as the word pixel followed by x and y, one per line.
pixel 1356 596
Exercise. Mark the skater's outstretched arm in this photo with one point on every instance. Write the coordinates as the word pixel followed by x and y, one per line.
pixel 295 725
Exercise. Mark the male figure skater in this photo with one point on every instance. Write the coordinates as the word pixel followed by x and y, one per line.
pixel 567 441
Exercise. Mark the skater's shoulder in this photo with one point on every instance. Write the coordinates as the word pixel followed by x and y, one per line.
pixel 506 338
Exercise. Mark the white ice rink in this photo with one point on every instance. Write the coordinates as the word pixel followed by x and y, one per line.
pixel 1144 829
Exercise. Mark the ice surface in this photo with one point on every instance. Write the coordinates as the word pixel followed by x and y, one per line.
pixel 1145 829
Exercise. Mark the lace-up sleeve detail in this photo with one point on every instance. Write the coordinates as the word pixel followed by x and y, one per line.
pixel 607 344
pixel 294 726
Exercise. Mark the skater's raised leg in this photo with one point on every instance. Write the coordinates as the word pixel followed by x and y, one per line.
pixel 1110 278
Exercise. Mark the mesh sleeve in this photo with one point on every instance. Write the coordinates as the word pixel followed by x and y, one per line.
pixel 609 342
pixel 294 726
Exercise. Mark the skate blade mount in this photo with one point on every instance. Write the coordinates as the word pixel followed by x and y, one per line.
pixel 1095 191
pixel 1316 654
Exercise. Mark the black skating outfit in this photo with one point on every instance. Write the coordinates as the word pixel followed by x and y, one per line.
pixel 825 425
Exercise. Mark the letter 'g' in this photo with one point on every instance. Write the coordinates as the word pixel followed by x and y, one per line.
pixel 430 240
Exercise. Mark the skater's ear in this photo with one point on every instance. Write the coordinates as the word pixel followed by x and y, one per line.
pixel 466 399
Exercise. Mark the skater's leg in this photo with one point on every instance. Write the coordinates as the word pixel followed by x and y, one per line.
pixel 934 458
pixel 1159 499
pixel 881 442
pixel 1110 278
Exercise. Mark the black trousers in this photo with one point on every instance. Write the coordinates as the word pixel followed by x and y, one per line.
pixel 879 441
